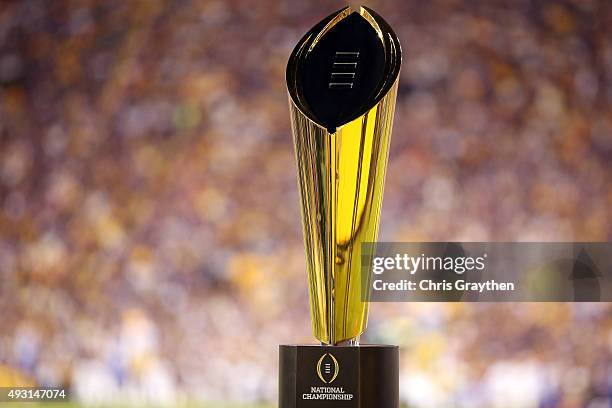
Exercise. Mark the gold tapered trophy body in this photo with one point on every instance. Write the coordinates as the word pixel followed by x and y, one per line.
pixel 341 154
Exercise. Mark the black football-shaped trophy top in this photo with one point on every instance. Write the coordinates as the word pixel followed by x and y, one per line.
pixel 337 76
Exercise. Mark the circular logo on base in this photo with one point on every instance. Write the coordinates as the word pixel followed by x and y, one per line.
pixel 327 368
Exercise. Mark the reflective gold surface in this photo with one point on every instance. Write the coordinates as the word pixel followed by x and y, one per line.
pixel 341 178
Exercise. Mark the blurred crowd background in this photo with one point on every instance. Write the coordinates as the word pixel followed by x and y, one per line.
pixel 150 239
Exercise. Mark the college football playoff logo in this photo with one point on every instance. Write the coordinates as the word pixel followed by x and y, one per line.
pixel 327 368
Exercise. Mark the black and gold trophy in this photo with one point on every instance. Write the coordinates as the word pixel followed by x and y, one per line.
pixel 342 80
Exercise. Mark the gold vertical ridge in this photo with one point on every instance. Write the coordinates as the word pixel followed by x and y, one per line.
pixel 333 261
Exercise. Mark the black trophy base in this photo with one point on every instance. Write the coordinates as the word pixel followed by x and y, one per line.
pixel 365 376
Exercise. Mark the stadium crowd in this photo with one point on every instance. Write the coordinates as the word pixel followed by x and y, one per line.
pixel 150 239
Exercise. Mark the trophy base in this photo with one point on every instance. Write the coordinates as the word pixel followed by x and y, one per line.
pixel 364 376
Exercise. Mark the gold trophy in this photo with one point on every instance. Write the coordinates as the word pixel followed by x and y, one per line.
pixel 342 81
